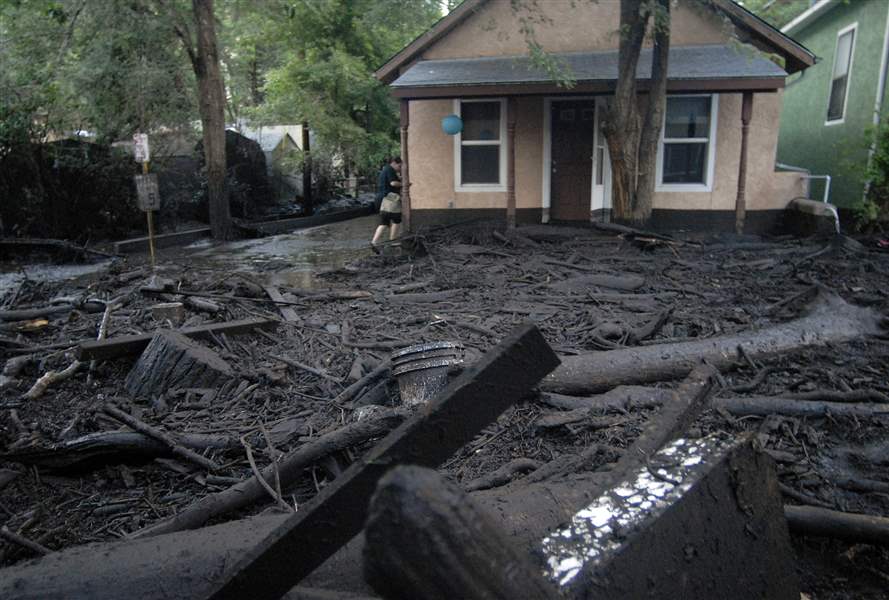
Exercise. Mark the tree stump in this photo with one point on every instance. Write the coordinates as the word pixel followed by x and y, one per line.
pixel 173 359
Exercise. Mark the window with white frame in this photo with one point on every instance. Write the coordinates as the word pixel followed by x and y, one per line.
pixel 479 148
pixel 839 80
pixel 686 153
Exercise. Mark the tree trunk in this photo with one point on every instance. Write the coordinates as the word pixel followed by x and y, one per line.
pixel 654 117
pixel 632 140
pixel 211 105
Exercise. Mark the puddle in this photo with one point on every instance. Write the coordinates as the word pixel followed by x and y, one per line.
pixel 290 259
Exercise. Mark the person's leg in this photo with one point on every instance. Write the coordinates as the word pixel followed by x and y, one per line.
pixel 378 234
pixel 393 231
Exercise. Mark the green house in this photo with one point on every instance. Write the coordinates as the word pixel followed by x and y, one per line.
pixel 830 108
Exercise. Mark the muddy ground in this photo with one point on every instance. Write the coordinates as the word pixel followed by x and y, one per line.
pixel 463 284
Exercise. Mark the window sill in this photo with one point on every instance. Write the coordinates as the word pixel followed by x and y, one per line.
pixel 464 189
pixel 836 122
pixel 683 187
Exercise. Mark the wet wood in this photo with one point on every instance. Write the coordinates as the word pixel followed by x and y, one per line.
pixel 173 359
pixel 772 405
pixel 425 539
pixel 856 528
pixel 134 344
pixel 290 315
pixel 832 320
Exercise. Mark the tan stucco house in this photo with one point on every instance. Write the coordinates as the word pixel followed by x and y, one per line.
pixel 531 151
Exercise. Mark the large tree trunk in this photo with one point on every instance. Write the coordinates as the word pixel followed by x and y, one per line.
pixel 831 321
pixel 211 104
pixel 654 116
pixel 632 140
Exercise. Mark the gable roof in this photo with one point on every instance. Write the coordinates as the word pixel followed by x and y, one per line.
pixel 762 35
pixel 809 16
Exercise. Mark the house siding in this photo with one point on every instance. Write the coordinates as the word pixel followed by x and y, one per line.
pixel 838 150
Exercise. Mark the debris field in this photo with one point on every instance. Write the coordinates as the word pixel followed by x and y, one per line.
pixel 256 397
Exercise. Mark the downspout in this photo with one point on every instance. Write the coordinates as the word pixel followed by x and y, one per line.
pixel 878 102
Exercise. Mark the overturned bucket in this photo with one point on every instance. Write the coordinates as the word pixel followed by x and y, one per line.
pixel 422 370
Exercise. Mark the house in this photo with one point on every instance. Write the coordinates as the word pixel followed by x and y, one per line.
pixel 534 152
pixel 829 108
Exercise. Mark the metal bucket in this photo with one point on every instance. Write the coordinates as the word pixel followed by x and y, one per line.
pixel 422 370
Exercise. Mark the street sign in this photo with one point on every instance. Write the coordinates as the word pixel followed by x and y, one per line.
pixel 140 147
pixel 147 196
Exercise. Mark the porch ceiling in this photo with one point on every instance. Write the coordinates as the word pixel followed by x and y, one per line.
pixel 690 67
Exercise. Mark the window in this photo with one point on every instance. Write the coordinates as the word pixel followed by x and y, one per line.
pixel 479 161
pixel 839 80
pixel 685 160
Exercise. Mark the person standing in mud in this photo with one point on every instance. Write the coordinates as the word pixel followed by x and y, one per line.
pixel 388 201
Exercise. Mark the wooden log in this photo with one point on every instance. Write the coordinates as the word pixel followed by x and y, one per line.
pixel 289 468
pixel 612 282
pixel 832 320
pixel 769 405
pixel 623 397
pixel 134 344
pixel 287 312
pixel 161 436
pixel 173 359
pixel 503 475
pixel 25 314
pixel 428 438
pixel 860 529
pixel 426 540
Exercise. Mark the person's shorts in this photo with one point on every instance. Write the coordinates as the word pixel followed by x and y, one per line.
pixel 387 218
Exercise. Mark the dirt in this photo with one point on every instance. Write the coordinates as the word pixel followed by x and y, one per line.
pixel 711 287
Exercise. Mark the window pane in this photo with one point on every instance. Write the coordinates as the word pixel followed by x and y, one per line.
pixel 685 163
pixel 481 120
pixel 837 99
pixel 688 117
pixel 844 54
pixel 480 164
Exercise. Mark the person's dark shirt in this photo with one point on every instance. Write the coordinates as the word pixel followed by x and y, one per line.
pixel 384 183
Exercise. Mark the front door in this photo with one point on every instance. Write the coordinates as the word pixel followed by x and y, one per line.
pixel 573 134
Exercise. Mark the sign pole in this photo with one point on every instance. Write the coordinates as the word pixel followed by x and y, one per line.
pixel 150 214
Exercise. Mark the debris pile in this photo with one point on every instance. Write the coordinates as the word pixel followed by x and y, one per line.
pixel 191 397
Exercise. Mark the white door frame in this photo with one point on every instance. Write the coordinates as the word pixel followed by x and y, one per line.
pixel 548 154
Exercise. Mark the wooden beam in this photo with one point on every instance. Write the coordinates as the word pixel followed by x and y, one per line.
pixel 287 312
pixel 309 537
pixel 741 200
pixel 134 344
pixel 510 162
pixel 307 170
pixel 405 121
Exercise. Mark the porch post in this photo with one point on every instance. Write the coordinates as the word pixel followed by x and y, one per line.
pixel 404 119
pixel 510 162
pixel 741 201
pixel 307 170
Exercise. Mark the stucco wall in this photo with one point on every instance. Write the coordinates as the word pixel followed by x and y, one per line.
pixel 572 26
pixel 431 154
pixel 838 149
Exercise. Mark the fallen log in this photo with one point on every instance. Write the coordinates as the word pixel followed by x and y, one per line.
pixel 425 540
pixel 25 314
pixel 764 406
pixel 289 469
pixel 860 529
pixel 503 475
pixel 117 446
pixel 161 436
pixel 623 397
pixel 831 320
pixel 127 345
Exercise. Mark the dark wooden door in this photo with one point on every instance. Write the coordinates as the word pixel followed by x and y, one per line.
pixel 573 128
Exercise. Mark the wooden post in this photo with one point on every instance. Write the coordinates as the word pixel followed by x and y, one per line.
pixel 150 214
pixel 405 120
pixel 510 162
pixel 307 170
pixel 741 201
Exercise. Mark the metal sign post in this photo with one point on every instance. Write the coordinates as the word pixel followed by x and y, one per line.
pixel 147 194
